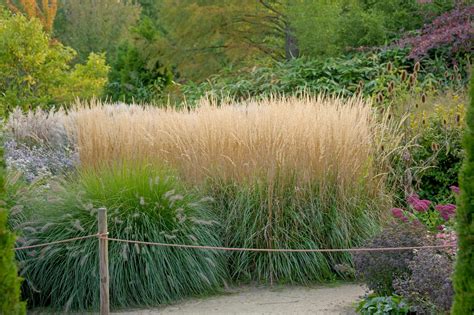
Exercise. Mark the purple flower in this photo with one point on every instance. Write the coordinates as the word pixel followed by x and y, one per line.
pixel 455 189
pixel 421 205
pixel 397 213
pixel 446 211
pixel 413 198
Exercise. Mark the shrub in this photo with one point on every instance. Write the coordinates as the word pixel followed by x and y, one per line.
pixel 378 269
pixel 451 30
pixel 134 78
pixel 9 280
pixel 464 277
pixel 437 150
pixel 36 70
pixel 377 73
pixel 37 144
pixel 143 203
pixel 428 288
pixel 425 212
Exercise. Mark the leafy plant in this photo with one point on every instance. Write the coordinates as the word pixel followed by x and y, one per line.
pixel 135 78
pixel 387 76
pixel 378 269
pixel 452 30
pixel 36 71
pixel 428 288
pixel 423 211
pixel 379 305
pixel 143 203
pixel 438 149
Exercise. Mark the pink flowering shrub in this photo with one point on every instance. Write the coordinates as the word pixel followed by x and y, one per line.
pixel 424 212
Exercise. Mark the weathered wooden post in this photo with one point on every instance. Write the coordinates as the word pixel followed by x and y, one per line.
pixel 103 263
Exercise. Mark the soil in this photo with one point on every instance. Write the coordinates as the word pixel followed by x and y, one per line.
pixel 333 299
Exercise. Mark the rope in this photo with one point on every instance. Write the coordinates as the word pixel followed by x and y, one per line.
pixel 327 250
pixel 278 250
pixel 62 241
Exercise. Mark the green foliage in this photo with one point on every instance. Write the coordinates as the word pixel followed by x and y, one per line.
pixel 380 305
pixel 143 203
pixel 344 24
pixel 95 26
pixel 437 149
pixel 9 281
pixel 370 73
pixel 135 76
pixel 283 215
pixel 464 276
pixel 35 70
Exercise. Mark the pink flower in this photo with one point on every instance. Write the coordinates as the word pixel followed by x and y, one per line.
pixel 421 205
pixel 440 227
pixel 455 189
pixel 397 213
pixel 446 211
pixel 413 198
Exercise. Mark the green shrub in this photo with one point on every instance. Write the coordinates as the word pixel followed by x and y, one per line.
pixel 381 75
pixel 36 70
pixel 136 78
pixel 464 274
pixel 9 281
pixel 143 203
pixel 437 150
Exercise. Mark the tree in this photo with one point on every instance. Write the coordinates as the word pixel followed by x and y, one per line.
pixel 35 71
pixel 45 12
pixel 200 38
pixel 95 25
pixel 464 272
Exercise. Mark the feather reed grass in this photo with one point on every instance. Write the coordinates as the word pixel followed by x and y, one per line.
pixel 284 172
pixel 306 172
pixel 315 139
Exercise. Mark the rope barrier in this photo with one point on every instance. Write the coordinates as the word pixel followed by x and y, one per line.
pixel 326 250
pixel 220 248
pixel 60 242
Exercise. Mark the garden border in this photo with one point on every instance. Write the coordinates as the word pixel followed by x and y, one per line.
pixel 103 238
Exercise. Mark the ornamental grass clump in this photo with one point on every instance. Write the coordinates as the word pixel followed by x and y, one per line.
pixel 285 172
pixel 144 203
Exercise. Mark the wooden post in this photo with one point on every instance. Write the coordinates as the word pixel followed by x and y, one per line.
pixel 103 264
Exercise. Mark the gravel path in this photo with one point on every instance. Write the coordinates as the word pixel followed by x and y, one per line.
pixel 337 299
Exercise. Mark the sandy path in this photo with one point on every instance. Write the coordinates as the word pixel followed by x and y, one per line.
pixel 337 299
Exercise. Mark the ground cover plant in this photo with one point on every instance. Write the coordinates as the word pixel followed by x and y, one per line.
pixel 143 202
